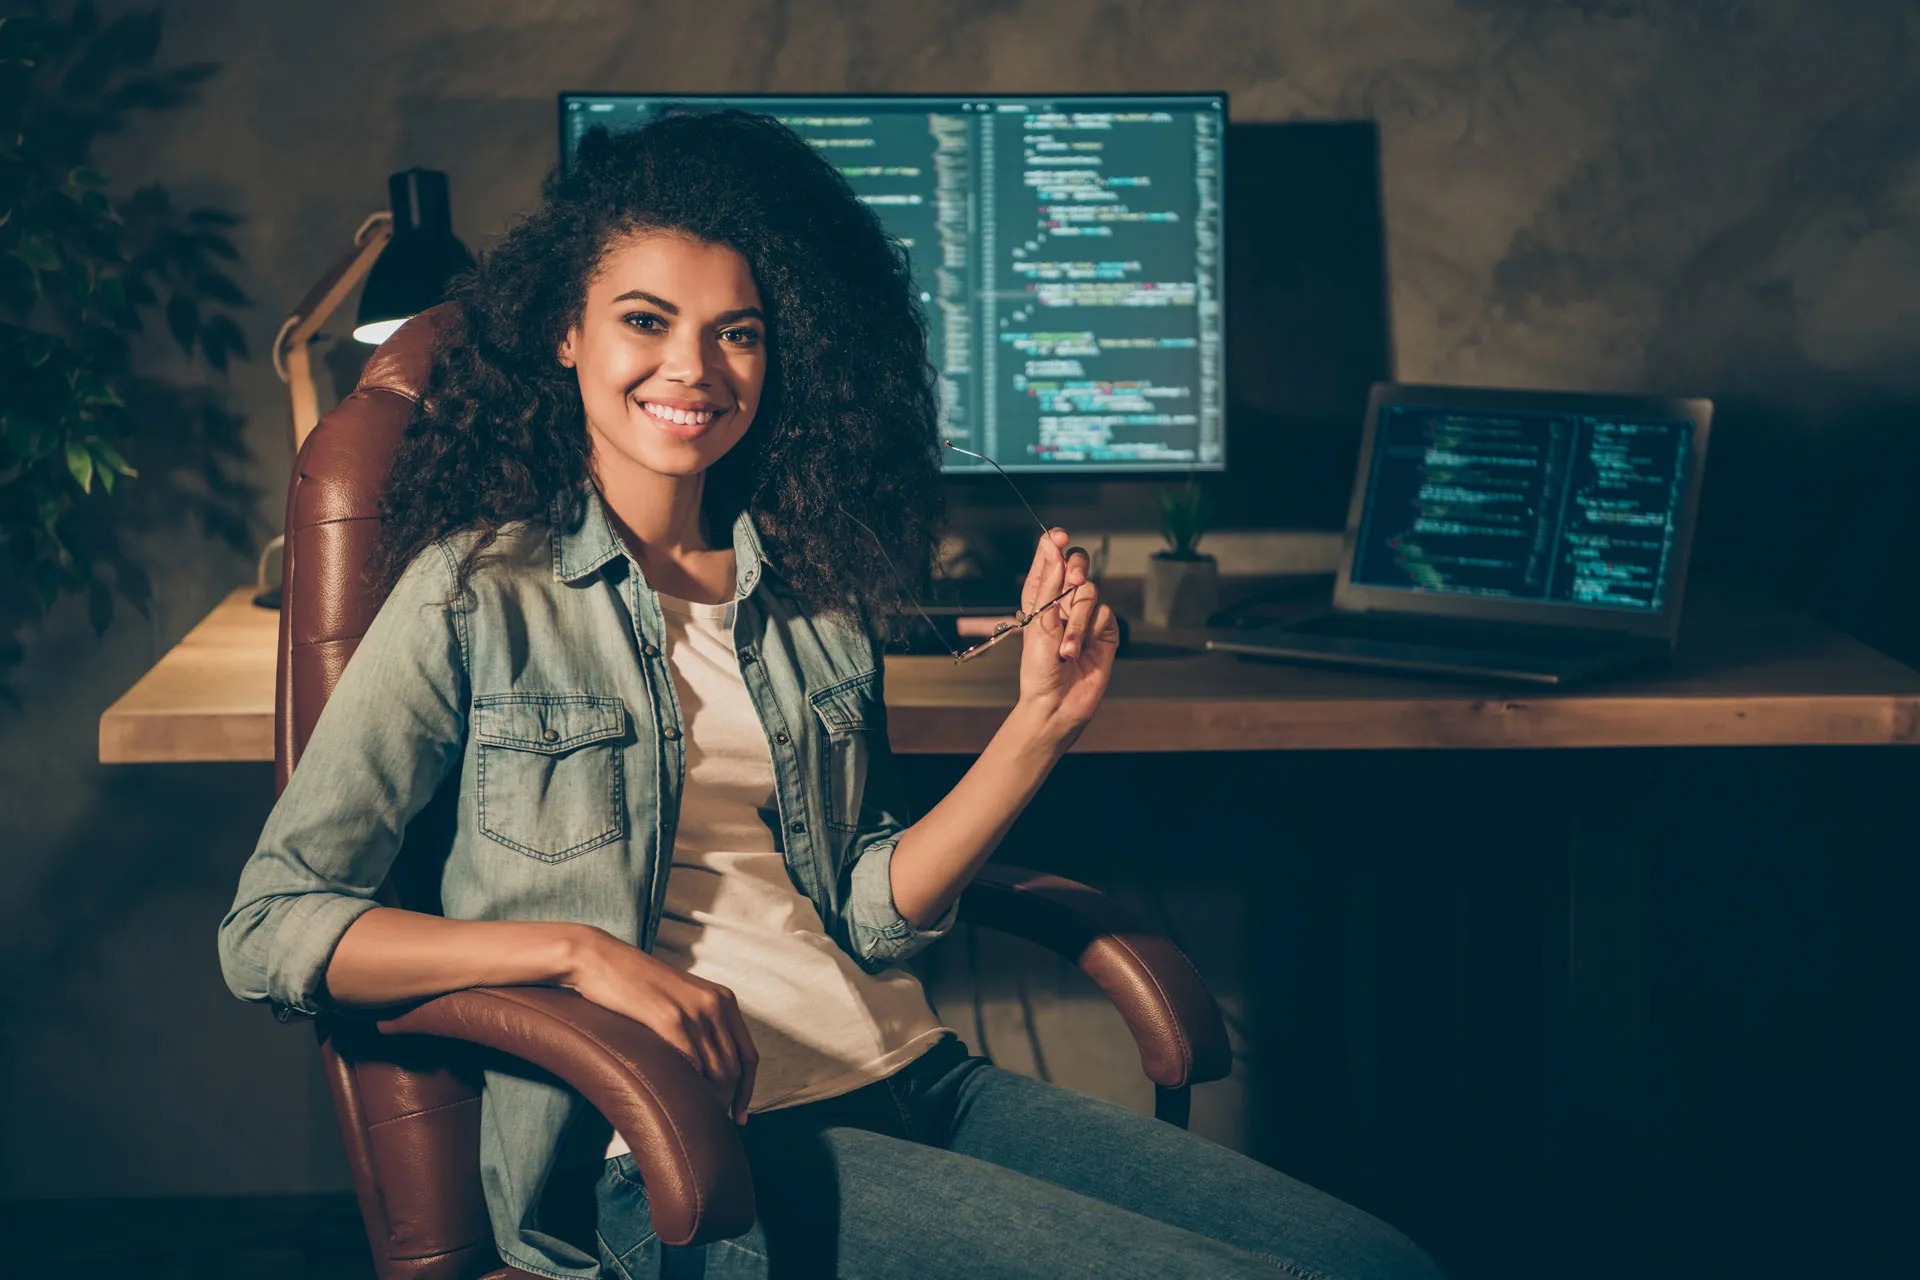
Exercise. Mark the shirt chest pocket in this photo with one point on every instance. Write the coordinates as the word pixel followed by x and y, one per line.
pixel 850 713
pixel 550 781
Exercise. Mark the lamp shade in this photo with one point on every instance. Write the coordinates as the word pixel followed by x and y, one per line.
pixel 412 273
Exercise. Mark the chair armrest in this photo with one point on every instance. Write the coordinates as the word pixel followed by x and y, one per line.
pixel 1159 994
pixel 686 1146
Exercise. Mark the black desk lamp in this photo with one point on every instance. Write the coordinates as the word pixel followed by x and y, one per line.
pixel 412 274
pixel 407 256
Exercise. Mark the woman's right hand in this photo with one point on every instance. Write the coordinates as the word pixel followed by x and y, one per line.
pixel 699 1018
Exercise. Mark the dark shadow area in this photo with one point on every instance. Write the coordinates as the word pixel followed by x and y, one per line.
pixel 1567 1013
pixel 125 1039
pixel 169 1238
pixel 1811 500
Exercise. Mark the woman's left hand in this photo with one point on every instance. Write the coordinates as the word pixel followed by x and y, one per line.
pixel 1067 653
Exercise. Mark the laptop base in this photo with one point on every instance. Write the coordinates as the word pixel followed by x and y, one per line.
pixel 1509 653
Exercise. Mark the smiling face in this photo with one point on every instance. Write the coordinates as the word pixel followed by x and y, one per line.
pixel 671 352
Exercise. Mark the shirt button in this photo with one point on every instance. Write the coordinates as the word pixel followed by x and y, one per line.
pixel 649 651
pixel 551 735
pixel 797 827
pixel 670 733
pixel 746 657
pixel 780 738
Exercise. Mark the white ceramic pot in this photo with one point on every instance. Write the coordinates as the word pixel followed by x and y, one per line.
pixel 1180 593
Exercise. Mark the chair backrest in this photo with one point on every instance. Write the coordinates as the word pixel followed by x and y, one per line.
pixel 409 1110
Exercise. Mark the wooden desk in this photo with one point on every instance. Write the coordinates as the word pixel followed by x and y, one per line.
pixel 1738 680
pixel 1541 1008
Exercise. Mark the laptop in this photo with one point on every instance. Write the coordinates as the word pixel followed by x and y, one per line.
pixel 1516 536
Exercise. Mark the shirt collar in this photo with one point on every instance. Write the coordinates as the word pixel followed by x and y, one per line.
pixel 591 544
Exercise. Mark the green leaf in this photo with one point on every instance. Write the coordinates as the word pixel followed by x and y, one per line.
pixel 38 253
pixel 87 177
pixel 19 435
pixel 99 605
pixel 183 321
pixel 27 438
pixel 80 463
pixel 47 579
pixel 141 39
pixel 213 346
pixel 92 390
pixel 19 283
pixel 193 73
pixel 133 583
pixel 110 295
pixel 1184 517
pixel 150 201
pixel 109 457
pixel 217 245
pixel 145 93
pixel 218 287
pixel 100 207
pixel 221 329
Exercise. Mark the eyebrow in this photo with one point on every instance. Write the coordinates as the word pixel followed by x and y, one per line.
pixel 725 317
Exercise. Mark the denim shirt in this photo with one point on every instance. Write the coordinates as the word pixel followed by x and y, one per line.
pixel 545 688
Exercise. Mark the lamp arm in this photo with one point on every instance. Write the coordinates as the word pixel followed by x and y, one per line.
pixel 290 358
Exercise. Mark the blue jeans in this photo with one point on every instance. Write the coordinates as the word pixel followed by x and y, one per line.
pixel 955 1168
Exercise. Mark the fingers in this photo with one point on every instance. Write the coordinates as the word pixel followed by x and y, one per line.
pixel 718 1062
pixel 1078 609
pixel 749 1060
pixel 711 1023
pixel 1104 632
pixel 1046 577
pixel 699 1019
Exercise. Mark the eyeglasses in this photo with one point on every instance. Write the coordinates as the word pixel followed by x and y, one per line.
pixel 1021 617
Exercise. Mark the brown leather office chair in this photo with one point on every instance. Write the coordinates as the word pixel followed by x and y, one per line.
pixel 406 1082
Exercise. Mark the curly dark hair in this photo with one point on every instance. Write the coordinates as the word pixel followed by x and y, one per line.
pixel 847 424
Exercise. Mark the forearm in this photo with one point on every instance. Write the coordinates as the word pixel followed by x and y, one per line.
pixel 937 856
pixel 389 956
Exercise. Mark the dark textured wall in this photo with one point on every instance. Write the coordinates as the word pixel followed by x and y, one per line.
pixel 1705 195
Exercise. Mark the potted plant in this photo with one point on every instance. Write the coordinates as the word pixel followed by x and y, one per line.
pixel 1183 585
pixel 83 272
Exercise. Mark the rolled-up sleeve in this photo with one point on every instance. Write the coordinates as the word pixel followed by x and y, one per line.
pixel 881 936
pixel 875 932
pixel 389 733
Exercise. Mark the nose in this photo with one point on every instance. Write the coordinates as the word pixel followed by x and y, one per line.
pixel 685 359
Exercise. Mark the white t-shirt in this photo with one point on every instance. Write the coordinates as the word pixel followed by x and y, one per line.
pixel 823 1026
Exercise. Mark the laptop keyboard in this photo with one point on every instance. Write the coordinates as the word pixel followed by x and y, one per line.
pixel 1454 633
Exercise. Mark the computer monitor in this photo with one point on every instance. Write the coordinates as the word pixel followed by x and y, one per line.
pixel 1067 250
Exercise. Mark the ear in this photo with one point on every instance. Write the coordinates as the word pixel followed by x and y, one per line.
pixel 565 354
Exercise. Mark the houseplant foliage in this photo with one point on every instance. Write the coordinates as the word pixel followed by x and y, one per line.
pixel 93 447
pixel 1182 584
pixel 1184 517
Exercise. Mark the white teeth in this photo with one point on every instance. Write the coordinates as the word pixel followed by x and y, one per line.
pixel 685 417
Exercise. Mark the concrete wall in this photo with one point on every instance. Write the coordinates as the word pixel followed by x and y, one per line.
pixel 1697 194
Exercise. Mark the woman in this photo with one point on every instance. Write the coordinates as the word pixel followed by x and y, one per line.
pixel 637 537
